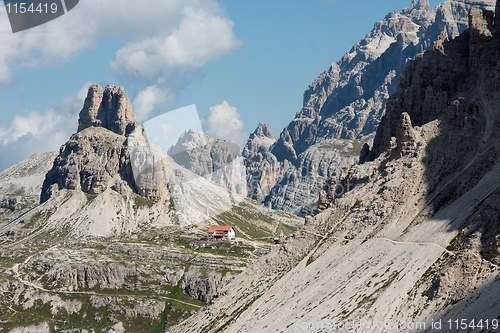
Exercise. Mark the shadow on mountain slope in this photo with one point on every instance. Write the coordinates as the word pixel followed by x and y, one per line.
pixel 452 96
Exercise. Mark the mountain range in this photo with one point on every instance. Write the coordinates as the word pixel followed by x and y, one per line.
pixel 343 107
pixel 394 162
pixel 412 243
pixel 104 235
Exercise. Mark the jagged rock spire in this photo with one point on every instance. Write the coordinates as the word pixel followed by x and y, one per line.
pixel 260 140
pixel 263 130
pixel 405 135
pixel 110 109
pixel 420 4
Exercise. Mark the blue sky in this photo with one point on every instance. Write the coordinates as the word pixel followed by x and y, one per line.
pixel 253 59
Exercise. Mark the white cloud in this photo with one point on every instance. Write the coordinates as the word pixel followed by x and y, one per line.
pixel 39 132
pixel 157 36
pixel 224 122
pixel 148 99
pixel 199 38
pixel 158 39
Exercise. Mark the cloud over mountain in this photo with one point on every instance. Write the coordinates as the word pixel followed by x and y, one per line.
pixel 224 122
pixel 158 43
pixel 40 131
pixel 156 37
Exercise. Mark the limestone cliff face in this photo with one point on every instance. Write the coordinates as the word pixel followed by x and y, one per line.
pixel 413 236
pixel 99 156
pixel 92 160
pixel 447 83
pixel 109 108
pixel 259 141
pixel 348 100
pixel 262 168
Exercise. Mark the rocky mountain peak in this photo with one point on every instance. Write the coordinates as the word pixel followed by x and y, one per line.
pixel 420 4
pixel 107 152
pixel 109 108
pixel 349 99
pixel 190 139
pixel 259 141
pixel 463 64
pixel 91 161
pixel 263 130
pixel 431 215
pixel 481 21
pixel 216 160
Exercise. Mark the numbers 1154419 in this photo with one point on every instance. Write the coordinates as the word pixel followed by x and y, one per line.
pixel 23 7
pixel 464 324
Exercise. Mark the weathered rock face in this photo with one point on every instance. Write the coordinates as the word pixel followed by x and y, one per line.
pixel 9 203
pixel 147 167
pixel 263 172
pixel 202 286
pixel 262 167
pixel 348 100
pixel 435 85
pixel 294 190
pixel 99 156
pixel 92 160
pixel 405 135
pixel 283 185
pixel 112 276
pixel 416 235
pixel 202 154
pixel 110 109
pixel 259 141
pixel 327 194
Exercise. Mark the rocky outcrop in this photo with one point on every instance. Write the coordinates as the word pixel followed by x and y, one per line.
pixel 347 101
pixel 202 154
pixel 283 185
pixel 106 151
pixel 110 109
pixel 364 153
pixel 327 194
pixel 263 172
pixel 262 167
pixel 204 286
pixel 406 139
pixel 294 190
pixel 147 167
pixel 112 276
pixel 9 203
pixel 430 96
pixel 91 161
pixel 259 141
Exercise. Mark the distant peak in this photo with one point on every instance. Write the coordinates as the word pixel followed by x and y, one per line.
pixel 189 139
pixel 420 4
pixel 190 135
pixel 263 130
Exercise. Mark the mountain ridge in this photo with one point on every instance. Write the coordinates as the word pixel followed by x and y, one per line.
pixel 414 238
pixel 110 230
pixel 348 100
